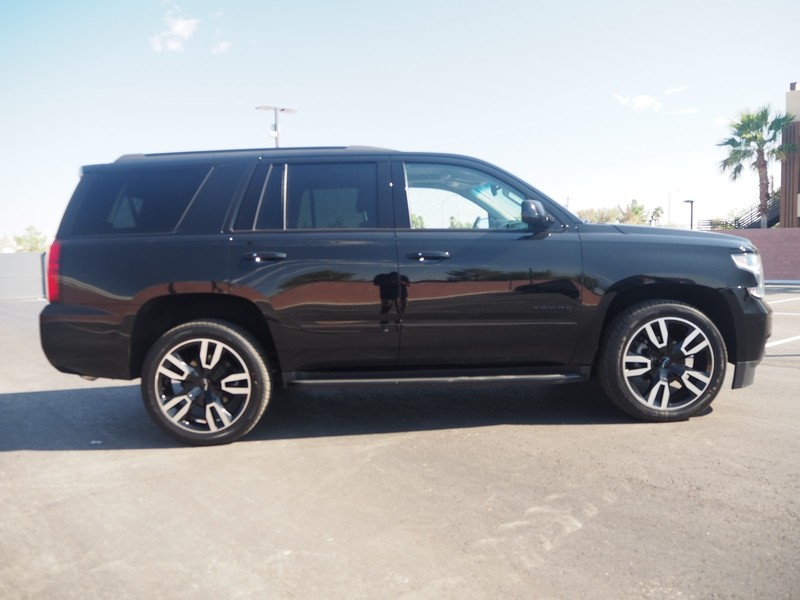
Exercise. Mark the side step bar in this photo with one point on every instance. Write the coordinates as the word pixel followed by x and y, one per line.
pixel 306 379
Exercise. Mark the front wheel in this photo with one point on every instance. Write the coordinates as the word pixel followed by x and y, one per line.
pixel 206 382
pixel 662 361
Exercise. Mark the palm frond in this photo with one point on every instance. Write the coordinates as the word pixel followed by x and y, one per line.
pixel 754 132
pixel 783 151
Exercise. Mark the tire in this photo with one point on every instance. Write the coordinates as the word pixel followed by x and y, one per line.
pixel 662 361
pixel 206 383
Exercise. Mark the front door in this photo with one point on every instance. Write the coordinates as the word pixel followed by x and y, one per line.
pixel 480 288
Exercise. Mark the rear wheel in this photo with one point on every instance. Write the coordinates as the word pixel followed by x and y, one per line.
pixel 662 361
pixel 206 382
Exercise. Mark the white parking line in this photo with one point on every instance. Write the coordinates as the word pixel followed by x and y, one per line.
pixel 786 341
pixel 782 301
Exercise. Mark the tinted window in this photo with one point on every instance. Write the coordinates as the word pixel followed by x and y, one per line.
pixel 246 217
pixel 210 206
pixel 332 196
pixel 270 208
pixel 137 200
pixel 261 206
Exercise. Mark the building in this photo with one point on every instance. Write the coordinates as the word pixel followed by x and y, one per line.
pixel 790 168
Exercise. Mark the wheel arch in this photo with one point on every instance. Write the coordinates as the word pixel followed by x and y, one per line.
pixel 709 301
pixel 159 315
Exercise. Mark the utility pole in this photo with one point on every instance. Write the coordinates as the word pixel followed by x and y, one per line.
pixel 275 131
pixel 691 213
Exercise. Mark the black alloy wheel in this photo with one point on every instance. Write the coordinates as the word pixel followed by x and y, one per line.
pixel 206 382
pixel 662 361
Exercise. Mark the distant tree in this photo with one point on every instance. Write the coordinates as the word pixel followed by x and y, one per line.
pixel 600 215
pixel 755 137
pixel 417 222
pixel 633 214
pixel 456 224
pixel 31 241
pixel 655 215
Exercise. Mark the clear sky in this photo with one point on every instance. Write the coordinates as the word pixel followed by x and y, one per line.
pixel 594 103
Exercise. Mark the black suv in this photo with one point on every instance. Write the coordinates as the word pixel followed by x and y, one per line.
pixel 218 276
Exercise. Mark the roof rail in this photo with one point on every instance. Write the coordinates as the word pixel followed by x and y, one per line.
pixel 287 150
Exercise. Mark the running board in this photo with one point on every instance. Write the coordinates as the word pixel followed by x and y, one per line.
pixel 544 378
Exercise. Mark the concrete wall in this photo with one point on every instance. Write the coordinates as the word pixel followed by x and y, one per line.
pixel 780 251
pixel 21 276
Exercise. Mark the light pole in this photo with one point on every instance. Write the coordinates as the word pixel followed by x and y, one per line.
pixel 276 132
pixel 691 213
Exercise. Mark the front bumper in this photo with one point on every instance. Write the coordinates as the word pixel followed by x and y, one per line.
pixel 753 318
pixel 744 373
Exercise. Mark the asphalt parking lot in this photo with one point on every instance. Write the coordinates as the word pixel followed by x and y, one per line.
pixel 482 492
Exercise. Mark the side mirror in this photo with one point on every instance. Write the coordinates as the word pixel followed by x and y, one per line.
pixel 534 214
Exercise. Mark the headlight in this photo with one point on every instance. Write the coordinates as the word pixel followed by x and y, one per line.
pixel 751 262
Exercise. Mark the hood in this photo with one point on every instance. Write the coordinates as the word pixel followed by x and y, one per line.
pixel 668 234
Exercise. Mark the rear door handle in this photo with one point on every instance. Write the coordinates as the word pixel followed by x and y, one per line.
pixel 429 255
pixel 265 256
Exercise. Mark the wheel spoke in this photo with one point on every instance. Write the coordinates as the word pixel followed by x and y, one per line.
pixel 704 379
pixel 657 338
pixel 634 371
pixel 183 372
pixel 215 411
pixel 168 406
pixel 659 395
pixel 209 361
pixel 701 344
pixel 227 384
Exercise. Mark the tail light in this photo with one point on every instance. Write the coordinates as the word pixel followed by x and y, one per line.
pixel 54 272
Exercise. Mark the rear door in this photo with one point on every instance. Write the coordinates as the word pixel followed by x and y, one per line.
pixel 479 288
pixel 312 241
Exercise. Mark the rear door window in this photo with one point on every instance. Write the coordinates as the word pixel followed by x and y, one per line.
pixel 332 196
pixel 317 196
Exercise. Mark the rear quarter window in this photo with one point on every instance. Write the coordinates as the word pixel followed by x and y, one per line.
pixel 134 200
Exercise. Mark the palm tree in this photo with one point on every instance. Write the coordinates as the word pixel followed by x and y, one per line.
pixel 756 136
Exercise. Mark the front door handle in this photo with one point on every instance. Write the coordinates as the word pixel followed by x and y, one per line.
pixel 429 255
pixel 265 256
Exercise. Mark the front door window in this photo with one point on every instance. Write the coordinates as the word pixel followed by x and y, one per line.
pixel 455 197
